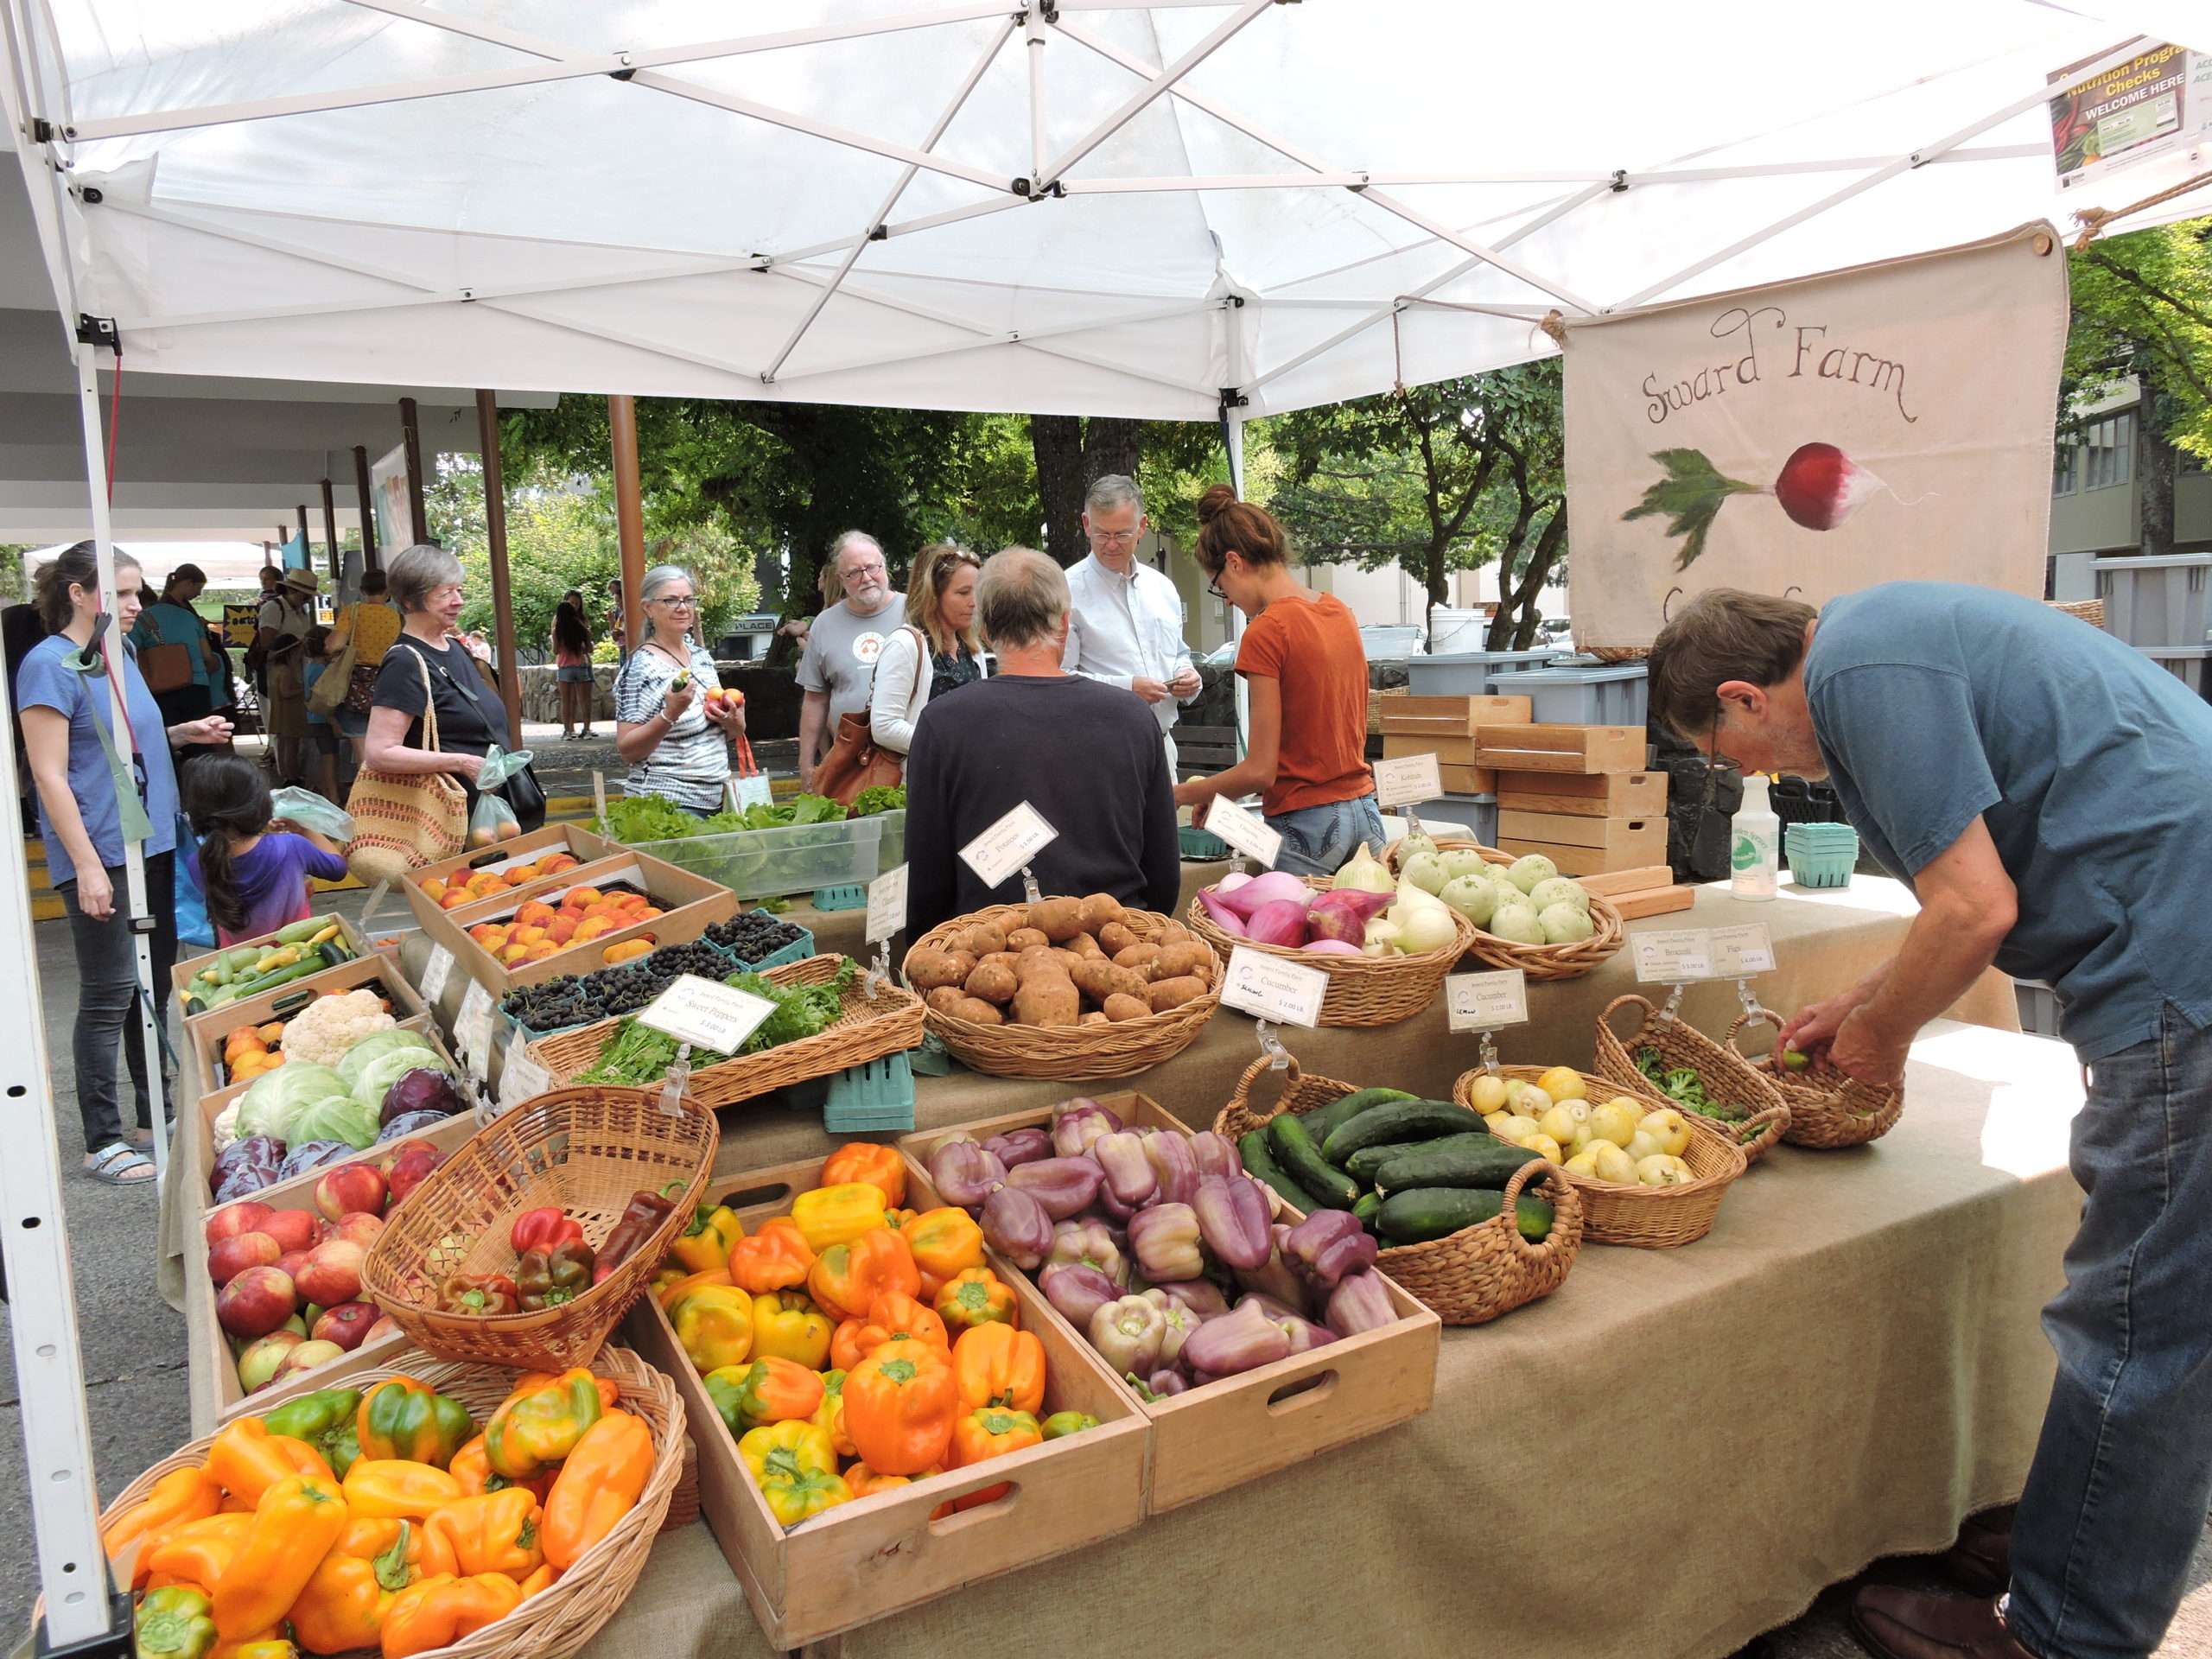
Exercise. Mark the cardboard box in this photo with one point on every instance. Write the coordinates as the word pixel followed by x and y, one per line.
pixel 1562 748
pixel 1451 716
pixel 1588 795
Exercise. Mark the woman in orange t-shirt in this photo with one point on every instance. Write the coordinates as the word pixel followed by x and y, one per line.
pixel 1307 671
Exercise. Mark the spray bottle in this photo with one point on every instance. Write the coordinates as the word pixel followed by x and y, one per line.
pixel 1755 843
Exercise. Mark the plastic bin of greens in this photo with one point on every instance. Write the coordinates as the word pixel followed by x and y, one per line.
pixel 1586 695
pixel 1472 673
pixel 793 858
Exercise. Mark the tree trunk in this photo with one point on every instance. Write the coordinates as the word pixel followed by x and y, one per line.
pixel 2156 464
pixel 1056 442
pixel 1514 628
pixel 1110 444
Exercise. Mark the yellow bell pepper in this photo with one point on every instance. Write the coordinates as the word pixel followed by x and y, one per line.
pixel 495 1533
pixel 197 1552
pixel 295 1524
pixel 177 1499
pixel 713 1326
pixel 786 1325
pixel 796 1469
pixel 838 1215
pixel 706 1242
pixel 393 1489
pixel 829 1416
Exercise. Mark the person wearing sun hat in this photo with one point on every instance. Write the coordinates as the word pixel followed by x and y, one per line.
pixel 280 642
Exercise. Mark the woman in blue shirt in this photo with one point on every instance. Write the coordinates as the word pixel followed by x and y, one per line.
pixel 65 713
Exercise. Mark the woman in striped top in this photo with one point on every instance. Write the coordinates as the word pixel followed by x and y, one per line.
pixel 677 742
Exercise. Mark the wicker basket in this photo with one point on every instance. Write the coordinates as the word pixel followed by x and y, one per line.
pixel 1363 990
pixel 2091 611
pixel 1610 654
pixel 1120 1048
pixel 1479 1272
pixel 586 1149
pixel 1682 1044
pixel 557 1621
pixel 874 1018
pixel 1541 961
pixel 1648 1217
pixel 1822 1115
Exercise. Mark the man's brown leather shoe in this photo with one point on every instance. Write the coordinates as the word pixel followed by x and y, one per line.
pixel 1980 1562
pixel 1899 1623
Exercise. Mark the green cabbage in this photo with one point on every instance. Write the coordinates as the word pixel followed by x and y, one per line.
pixel 334 1117
pixel 377 1077
pixel 272 1100
pixel 374 1046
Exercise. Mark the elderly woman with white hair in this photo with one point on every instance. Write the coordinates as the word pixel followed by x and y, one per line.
pixel 675 739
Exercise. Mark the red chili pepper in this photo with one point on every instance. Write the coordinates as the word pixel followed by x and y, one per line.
pixel 544 1228
pixel 645 1211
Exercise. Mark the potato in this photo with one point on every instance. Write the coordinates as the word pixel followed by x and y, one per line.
pixel 1005 917
pixel 1047 1000
pixel 1094 1018
pixel 1130 981
pixel 1084 946
pixel 980 941
pixel 1069 960
pixel 1095 978
pixel 1139 956
pixel 1025 938
pixel 1120 1008
pixel 975 1011
pixel 1039 958
pixel 1058 919
pixel 993 983
pixel 945 998
pixel 1176 933
pixel 1165 993
pixel 1098 909
pixel 1000 958
pixel 928 967
pixel 1115 937
pixel 1175 961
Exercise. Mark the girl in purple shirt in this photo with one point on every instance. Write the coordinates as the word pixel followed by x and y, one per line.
pixel 252 865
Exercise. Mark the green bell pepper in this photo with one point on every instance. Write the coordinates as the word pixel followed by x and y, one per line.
pixel 175 1622
pixel 325 1421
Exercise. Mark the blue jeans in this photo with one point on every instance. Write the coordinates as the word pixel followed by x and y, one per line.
pixel 1318 840
pixel 2116 1497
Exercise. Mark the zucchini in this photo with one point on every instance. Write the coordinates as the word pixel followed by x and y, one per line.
pixel 1325 1121
pixel 1404 1120
pixel 1252 1147
pixel 1479 1159
pixel 1421 1213
pixel 1366 1163
pixel 1330 1189
pixel 1366 1208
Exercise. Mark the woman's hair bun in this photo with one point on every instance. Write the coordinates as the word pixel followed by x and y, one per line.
pixel 1215 502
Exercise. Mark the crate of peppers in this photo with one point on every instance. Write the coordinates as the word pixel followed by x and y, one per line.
pixel 855 1370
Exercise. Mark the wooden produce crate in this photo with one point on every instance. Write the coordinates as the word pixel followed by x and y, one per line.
pixel 1614 883
pixel 1468 780
pixel 578 842
pixel 1228 1433
pixel 877 1556
pixel 213 1100
pixel 1624 843
pixel 182 975
pixel 1653 902
pixel 204 1032
pixel 1411 716
pixel 1587 795
pixel 1576 859
pixel 1562 748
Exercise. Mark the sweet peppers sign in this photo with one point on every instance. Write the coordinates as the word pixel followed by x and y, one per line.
pixel 1888 421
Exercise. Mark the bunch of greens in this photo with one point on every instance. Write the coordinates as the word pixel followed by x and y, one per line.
pixel 636 818
pixel 869 802
pixel 638 1054
pixel 800 808
pixel 1686 1089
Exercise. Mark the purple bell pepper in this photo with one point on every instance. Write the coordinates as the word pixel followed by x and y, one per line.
pixel 1331 1244
pixel 1241 1341
pixel 1180 1322
pixel 1274 1277
pixel 1166 1240
pixel 1216 1154
pixel 1202 1296
pixel 1017 1227
pixel 1301 1333
pixel 1129 1174
pixel 1087 1244
pixel 1127 1333
pixel 965 1173
pixel 1171 1160
pixel 1078 1123
pixel 1078 1292
pixel 1020 1146
pixel 1166 1383
pixel 1064 1186
pixel 1360 1302
pixel 1233 1220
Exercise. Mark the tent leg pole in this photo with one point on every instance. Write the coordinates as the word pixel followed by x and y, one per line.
pixel 410 433
pixel 1232 440
pixel 365 496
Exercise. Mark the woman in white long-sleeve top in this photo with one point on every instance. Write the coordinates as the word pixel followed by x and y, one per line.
pixel 937 652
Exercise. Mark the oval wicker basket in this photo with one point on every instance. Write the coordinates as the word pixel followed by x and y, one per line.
pixel 1363 990
pixel 1120 1048
pixel 586 1149
pixel 1647 1217
pixel 559 1620
pixel 1821 1115
pixel 1541 961
pixel 1681 1044
pixel 1476 1274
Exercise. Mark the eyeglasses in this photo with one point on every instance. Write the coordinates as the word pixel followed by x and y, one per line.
pixel 1114 537
pixel 677 601
pixel 1213 587
pixel 860 571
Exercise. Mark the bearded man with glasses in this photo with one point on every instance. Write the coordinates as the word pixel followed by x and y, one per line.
pixel 838 665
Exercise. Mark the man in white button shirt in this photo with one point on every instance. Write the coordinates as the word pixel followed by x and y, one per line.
pixel 1126 628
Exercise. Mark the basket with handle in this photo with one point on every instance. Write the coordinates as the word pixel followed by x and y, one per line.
pixel 1824 1114
pixel 560 1619
pixel 1553 962
pixel 586 1149
pixel 1682 1044
pixel 1362 990
pixel 1476 1274
pixel 1646 1217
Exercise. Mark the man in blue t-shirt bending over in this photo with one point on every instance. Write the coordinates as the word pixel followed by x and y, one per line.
pixel 2047 791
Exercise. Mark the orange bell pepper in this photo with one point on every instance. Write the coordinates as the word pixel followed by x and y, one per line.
pixel 176 1500
pixel 344 1604
pixel 545 1578
pixel 837 1215
pixel 900 1403
pixel 945 1243
pixel 829 1416
pixel 473 1468
pixel 498 1531
pixel 866 1482
pixel 195 1552
pixel 881 1166
pixel 598 1483
pixel 892 1315
pixel 677 1289
pixel 776 1257
pixel 847 1278
pixel 393 1489
pixel 543 1425
pixel 992 1432
pixel 297 1521
pixel 246 1459
pixel 264 1644
pixel 975 1296
pixel 998 1366
pixel 439 1610
pixel 610 1391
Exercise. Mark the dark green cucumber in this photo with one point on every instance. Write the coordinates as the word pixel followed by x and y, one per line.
pixel 1333 1116
pixel 1366 1208
pixel 1252 1147
pixel 1301 1160
pixel 1366 1163
pixel 1480 1160
pixel 1405 1119
pixel 1421 1213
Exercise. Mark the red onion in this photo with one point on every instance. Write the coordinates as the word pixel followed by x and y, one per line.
pixel 1331 948
pixel 1280 921
pixel 1265 889
pixel 1220 914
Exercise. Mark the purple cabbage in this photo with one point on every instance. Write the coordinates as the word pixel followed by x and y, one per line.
pixel 246 1166
pixel 425 1089
pixel 409 1124
pixel 314 1154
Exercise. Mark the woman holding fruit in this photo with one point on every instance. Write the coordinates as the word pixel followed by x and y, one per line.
pixel 673 721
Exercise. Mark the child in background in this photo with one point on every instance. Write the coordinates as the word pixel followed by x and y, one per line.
pixel 252 865
pixel 322 736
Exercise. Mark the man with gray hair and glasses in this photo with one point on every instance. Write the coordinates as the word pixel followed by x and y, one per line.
pixel 838 665
pixel 1129 619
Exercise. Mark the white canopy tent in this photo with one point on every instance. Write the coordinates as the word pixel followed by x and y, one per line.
pixel 1194 209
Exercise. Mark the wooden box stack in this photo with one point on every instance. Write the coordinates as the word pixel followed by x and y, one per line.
pixel 1580 795
pixel 1449 727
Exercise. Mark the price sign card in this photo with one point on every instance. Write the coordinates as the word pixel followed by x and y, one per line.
pixel 1740 952
pixel 1273 989
pixel 434 974
pixel 1403 782
pixel 471 1028
pixel 1000 851
pixel 707 1014
pixel 524 1078
pixel 886 905
pixel 1673 955
pixel 1244 830
pixel 1487 1002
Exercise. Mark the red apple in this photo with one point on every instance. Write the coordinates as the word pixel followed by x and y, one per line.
pixel 306 1355
pixel 293 1230
pixel 231 1256
pixel 347 1187
pixel 258 1302
pixel 358 1227
pixel 291 1262
pixel 258 1363
pixel 386 1326
pixel 332 1274
pixel 409 1165
pixel 347 1325
pixel 232 1219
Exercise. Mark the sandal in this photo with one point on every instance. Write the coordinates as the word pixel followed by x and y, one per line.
pixel 118 1165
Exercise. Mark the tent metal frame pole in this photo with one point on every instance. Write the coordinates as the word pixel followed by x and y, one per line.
pixel 365 493
pixel 629 515
pixel 1012 337
pixel 983 63
pixel 1353 180
pixel 330 536
pixel 495 538
pixel 1032 23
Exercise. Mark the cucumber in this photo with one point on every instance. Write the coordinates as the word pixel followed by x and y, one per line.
pixel 1333 1116
pixel 1366 1208
pixel 1405 1119
pixel 1252 1147
pixel 1480 1160
pixel 1366 1163
pixel 1421 1213
pixel 1301 1160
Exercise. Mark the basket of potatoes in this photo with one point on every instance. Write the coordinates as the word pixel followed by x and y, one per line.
pixel 1073 989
